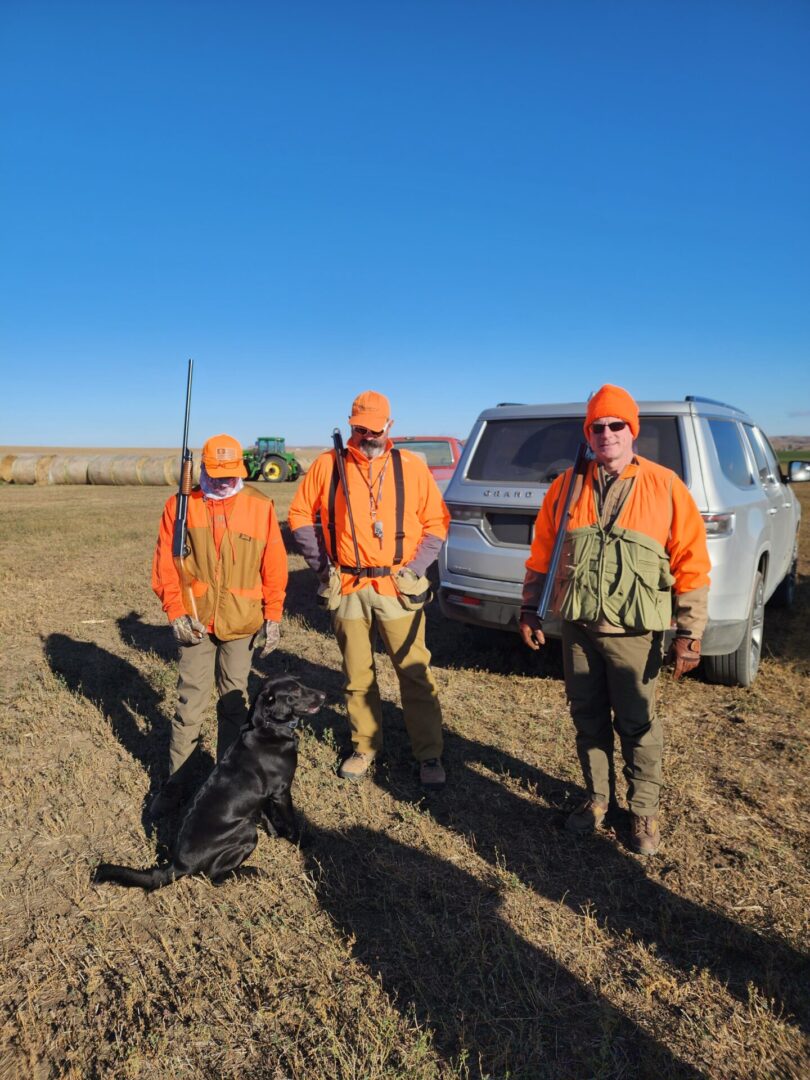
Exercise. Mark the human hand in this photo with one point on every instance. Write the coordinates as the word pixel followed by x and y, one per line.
pixel 414 591
pixel 684 653
pixel 187 631
pixel 531 630
pixel 271 638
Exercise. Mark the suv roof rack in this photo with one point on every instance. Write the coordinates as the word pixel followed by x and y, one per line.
pixel 503 404
pixel 709 401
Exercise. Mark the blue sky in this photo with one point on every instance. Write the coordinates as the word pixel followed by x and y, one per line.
pixel 457 203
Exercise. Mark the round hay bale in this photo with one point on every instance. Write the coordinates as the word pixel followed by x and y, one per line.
pixel 76 468
pixel 152 471
pixel 100 468
pixel 68 469
pixel 24 469
pixel 6 461
pixel 57 473
pixel 125 470
pixel 43 468
pixel 172 470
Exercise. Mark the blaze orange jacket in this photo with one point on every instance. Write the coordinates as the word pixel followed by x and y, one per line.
pixel 659 505
pixel 373 496
pixel 237 559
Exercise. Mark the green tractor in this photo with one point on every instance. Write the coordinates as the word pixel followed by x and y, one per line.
pixel 268 460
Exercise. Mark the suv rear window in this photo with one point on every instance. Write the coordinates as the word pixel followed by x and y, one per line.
pixel 535 450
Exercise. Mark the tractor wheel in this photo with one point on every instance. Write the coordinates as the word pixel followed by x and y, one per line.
pixel 275 469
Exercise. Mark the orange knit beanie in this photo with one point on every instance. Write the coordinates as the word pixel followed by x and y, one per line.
pixel 612 401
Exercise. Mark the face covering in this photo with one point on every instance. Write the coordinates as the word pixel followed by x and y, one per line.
pixel 220 487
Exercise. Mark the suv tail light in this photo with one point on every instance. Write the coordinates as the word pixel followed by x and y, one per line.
pixel 718 524
pixel 465 512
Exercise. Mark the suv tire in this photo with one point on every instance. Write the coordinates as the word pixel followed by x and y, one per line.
pixel 740 667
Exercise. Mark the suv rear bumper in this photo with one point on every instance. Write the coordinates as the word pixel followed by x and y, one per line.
pixel 502 613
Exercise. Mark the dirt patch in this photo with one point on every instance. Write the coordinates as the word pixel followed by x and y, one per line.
pixel 459 935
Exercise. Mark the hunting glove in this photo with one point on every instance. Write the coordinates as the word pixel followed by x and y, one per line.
pixel 187 631
pixel 684 653
pixel 530 628
pixel 268 637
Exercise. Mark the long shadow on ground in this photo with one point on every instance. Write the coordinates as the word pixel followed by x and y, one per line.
pixel 596 874
pixel 433 935
pixel 120 691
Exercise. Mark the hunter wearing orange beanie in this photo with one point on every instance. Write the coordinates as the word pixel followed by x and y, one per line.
pixel 636 563
pixel 612 401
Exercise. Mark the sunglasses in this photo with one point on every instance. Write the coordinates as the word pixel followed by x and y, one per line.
pixel 367 431
pixel 614 425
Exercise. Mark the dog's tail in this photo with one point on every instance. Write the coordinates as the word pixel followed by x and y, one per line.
pixel 128 875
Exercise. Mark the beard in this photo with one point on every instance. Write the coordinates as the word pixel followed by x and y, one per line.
pixel 372 448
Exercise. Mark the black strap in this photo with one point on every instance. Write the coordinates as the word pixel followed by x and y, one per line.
pixel 368 571
pixel 330 512
pixel 399 487
pixel 399 516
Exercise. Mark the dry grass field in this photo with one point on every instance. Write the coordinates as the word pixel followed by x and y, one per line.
pixel 460 935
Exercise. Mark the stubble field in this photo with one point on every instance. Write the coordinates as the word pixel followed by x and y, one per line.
pixel 463 934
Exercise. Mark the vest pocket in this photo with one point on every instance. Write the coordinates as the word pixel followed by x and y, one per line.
pixel 645 601
pixel 242 611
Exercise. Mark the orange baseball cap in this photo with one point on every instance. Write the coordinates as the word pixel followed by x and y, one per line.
pixel 222 456
pixel 370 410
pixel 612 401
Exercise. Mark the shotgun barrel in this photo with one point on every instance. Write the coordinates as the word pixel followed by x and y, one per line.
pixel 578 469
pixel 180 548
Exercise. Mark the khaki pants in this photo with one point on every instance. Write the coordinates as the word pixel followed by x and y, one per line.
pixel 227 662
pixel 610 682
pixel 356 622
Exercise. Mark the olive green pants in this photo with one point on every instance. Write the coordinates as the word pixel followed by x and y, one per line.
pixel 228 664
pixel 359 618
pixel 610 682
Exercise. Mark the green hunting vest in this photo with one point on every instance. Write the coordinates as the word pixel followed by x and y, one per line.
pixel 619 574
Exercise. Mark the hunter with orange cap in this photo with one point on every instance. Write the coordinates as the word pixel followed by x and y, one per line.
pixel 635 558
pixel 238 570
pixel 371 555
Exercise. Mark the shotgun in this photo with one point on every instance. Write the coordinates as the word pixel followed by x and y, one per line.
pixel 180 548
pixel 580 461
pixel 337 440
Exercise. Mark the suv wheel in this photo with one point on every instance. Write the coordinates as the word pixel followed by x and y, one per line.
pixel 740 668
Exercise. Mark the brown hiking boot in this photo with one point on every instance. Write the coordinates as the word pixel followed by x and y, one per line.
pixel 645 836
pixel 431 773
pixel 355 766
pixel 588 816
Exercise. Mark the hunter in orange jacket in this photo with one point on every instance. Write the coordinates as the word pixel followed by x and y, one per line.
pixel 237 567
pixel 635 547
pixel 400 521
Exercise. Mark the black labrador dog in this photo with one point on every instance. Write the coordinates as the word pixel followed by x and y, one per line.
pixel 249 787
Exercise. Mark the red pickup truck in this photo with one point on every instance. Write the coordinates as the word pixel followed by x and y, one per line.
pixel 441 452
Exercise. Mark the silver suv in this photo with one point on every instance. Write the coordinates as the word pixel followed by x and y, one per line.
pixel 752 517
